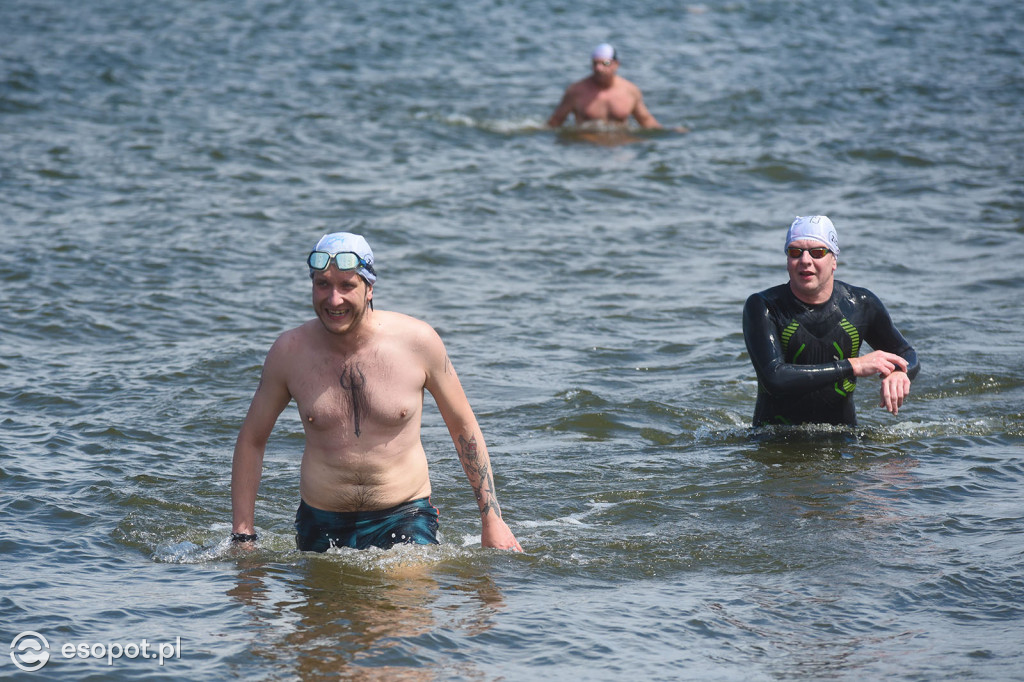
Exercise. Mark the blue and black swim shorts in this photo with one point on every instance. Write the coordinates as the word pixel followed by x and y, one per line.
pixel 414 522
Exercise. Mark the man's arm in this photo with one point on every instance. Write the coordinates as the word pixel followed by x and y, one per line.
pixel 644 117
pixel 268 402
pixel 563 109
pixel 458 416
pixel 883 335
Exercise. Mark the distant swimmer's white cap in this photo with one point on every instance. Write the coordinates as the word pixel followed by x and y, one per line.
pixel 605 51
pixel 816 227
pixel 346 242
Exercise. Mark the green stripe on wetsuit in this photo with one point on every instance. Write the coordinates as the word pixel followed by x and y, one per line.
pixel 846 386
pixel 787 334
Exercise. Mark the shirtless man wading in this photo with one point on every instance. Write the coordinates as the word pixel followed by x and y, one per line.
pixel 357 377
pixel 603 96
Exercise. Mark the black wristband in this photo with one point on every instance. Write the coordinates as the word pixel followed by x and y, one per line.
pixel 237 538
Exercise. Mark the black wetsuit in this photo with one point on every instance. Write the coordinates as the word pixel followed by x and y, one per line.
pixel 801 352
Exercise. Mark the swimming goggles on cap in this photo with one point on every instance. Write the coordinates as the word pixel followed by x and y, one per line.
pixel 346 260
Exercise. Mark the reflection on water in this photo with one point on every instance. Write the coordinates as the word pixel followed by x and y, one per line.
pixel 605 134
pixel 610 136
pixel 368 615
pixel 813 443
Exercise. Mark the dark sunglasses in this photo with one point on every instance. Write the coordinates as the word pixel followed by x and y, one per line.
pixel 816 252
pixel 346 260
pixel 605 62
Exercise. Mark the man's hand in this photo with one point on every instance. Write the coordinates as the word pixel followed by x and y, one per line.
pixel 496 533
pixel 895 389
pixel 878 362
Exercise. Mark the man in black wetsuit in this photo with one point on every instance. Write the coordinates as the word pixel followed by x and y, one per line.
pixel 804 338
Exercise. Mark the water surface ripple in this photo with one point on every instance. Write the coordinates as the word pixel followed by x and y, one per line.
pixel 165 167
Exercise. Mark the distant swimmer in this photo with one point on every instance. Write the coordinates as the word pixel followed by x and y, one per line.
pixel 357 377
pixel 604 96
pixel 804 338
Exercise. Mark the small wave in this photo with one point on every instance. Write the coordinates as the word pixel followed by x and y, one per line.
pixel 512 126
pixel 577 519
pixel 187 552
pixel 279 547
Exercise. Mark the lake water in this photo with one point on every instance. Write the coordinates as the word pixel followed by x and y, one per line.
pixel 165 168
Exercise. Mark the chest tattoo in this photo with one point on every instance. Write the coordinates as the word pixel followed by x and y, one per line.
pixel 353 382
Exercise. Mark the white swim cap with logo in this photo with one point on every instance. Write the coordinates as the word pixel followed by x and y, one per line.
pixel 605 51
pixel 343 242
pixel 816 227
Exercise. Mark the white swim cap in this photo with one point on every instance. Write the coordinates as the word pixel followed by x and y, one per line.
pixel 605 51
pixel 816 227
pixel 346 242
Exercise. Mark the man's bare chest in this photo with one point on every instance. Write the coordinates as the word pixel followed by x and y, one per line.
pixel 358 394
pixel 608 106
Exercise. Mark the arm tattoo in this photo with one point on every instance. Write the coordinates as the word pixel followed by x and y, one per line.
pixel 480 476
pixel 353 380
